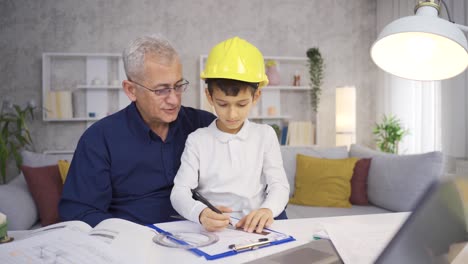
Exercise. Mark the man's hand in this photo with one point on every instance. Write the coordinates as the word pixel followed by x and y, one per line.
pixel 256 220
pixel 213 221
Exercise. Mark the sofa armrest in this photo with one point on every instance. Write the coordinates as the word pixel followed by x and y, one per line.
pixel 17 204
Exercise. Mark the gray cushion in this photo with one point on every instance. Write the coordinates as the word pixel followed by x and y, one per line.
pixel 301 211
pixel 289 153
pixel 396 182
pixel 17 204
pixel 359 151
pixel 33 159
pixel 15 200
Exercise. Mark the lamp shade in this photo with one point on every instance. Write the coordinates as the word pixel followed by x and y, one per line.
pixel 421 47
pixel 345 122
pixel 345 103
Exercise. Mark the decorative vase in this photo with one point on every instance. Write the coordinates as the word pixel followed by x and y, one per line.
pixel 272 73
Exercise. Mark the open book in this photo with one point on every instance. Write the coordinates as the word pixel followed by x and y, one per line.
pixel 111 241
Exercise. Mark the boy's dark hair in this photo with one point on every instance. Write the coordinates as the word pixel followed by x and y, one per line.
pixel 230 87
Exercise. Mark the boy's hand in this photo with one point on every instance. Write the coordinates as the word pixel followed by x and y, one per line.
pixel 256 220
pixel 213 221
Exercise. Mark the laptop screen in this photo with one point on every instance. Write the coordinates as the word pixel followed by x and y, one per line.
pixel 435 229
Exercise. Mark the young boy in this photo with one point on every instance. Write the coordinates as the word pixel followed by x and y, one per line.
pixel 235 164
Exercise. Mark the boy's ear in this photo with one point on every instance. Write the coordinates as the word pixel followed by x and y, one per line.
pixel 129 90
pixel 256 96
pixel 208 97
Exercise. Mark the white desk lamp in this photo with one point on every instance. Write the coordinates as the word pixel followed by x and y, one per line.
pixel 422 47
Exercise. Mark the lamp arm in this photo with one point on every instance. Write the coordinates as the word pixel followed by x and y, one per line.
pixel 462 27
pixel 446 9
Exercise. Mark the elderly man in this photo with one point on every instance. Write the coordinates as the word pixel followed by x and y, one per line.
pixel 125 164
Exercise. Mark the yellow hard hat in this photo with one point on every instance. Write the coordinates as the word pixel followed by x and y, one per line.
pixel 236 59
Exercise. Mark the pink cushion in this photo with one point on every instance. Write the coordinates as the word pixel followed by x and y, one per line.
pixel 359 182
pixel 45 186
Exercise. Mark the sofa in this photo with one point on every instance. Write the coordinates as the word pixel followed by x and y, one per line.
pixel 394 183
pixel 22 203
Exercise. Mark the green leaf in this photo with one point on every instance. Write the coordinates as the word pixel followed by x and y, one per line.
pixel 316 67
pixel 389 133
pixel 14 136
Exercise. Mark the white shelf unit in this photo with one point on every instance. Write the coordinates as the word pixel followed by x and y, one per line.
pixel 278 104
pixel 82 87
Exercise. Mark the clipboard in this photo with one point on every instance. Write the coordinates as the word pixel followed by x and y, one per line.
pixel 230 243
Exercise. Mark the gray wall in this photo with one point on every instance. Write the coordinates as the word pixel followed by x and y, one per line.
pixel 343 30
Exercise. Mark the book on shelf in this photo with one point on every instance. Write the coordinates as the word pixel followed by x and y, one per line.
pixel 111 241
pixel 284 133
pixel 59 104
pixel 64 104
pixel 300 133
pixel 51 105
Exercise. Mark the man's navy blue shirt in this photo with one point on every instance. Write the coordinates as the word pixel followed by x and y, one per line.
pixel 122 169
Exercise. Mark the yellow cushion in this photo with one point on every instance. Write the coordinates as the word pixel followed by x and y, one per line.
pixel 323 182
pixel 63 165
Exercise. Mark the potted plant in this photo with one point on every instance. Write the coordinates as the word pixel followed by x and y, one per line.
pixel 272 72
pixel 14 134
pixel 316 68
pixel 389 133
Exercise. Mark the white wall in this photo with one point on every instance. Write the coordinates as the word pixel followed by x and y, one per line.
pixel 343 30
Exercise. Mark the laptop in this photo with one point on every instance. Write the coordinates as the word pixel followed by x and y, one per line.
pixel 316 252
pixel 434 233
pixel 436 229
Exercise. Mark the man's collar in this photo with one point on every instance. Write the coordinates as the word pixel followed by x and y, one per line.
pixel 141 129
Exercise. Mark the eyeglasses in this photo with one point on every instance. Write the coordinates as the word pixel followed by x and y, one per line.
pixel 165 90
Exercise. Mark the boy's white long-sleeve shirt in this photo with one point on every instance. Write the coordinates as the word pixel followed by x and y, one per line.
pixel 231 170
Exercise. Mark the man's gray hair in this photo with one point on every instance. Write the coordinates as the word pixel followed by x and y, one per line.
pixel 152 45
